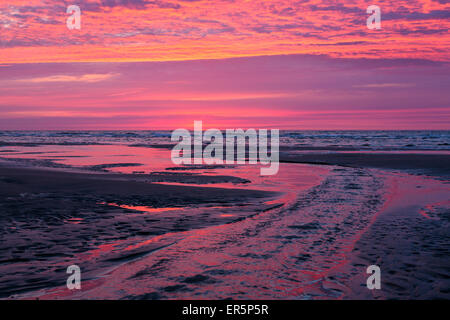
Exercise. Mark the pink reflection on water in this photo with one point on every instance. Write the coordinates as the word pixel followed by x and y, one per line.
pixel 237 250
pixel 151 159
pixel 141 208
pixel 431 208
pixel 74 220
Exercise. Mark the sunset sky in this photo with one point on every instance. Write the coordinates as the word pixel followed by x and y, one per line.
pixel 142 64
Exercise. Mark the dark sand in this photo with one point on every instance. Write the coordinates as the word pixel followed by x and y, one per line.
pixel 410 237
pixel 434 164
pixel 431 164
pixel 49 216
pixel 409 240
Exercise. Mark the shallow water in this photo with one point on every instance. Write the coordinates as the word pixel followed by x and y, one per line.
pixel 282 252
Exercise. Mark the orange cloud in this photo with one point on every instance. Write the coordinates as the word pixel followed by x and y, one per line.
pixel 141 30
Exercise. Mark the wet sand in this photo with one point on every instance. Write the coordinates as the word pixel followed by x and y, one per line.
pixel 49 217
pixel 136 239
pixel 409 240
pixel 432 164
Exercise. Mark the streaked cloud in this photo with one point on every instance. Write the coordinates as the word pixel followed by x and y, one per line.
pixel 86 78
pixel 285 91
pixel 385 85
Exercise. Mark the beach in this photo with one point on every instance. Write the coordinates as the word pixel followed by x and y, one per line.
pixel 196 152
pixel 141 228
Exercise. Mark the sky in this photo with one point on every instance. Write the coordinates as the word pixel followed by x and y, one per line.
pixel 151 64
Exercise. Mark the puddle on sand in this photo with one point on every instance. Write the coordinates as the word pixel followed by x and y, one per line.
pixel 142 208
pixel 74 220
